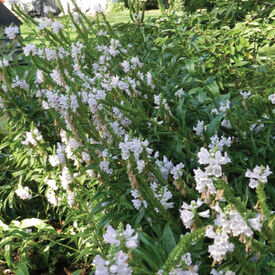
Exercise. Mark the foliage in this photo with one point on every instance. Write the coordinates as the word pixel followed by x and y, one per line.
pixel 150 4
pixel 231 11
pixel 115 7
pixel 142 148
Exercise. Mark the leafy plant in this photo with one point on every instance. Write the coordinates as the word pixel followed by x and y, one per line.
pixel 141 148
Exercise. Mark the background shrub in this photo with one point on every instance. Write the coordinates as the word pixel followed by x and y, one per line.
pixel 140 146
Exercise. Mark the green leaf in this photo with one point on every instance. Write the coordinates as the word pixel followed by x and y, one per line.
pixel 22 269
pixel 150 260
pixel 241 63
pixel 8 254
pixel 214 126
pixel 190 66
pixel 168 239
pixel 30 222
pixel 214 88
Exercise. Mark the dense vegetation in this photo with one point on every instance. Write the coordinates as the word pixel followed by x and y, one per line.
pixel 140 148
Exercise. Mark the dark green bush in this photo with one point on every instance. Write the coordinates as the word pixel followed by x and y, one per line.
pixel 150 4
pixel 168 91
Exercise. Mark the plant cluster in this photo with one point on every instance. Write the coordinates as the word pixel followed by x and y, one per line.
pixel 143 148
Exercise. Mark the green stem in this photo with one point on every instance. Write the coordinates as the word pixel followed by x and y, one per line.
pixel 262 200
pixel 182 247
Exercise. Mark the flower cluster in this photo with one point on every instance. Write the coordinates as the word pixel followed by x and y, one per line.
pixel 32 137
pixel 11 31
pixel 23 192
pixel 187 213
pixel 259 174
pixel 116 128
pixel 221 245
pixel 116 265
pixel 114 238
pixel 205 179
pixel 117 262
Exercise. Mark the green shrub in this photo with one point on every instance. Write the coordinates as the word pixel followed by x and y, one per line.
pixel 150 4
pixel 141 148
pixel 115 7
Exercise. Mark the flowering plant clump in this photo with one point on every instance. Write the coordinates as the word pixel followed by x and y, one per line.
pixel 139 148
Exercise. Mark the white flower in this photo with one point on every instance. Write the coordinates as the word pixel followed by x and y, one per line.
pixel 40 76
pixel 232 222
pixel 149 80
pixel 50 54
pixel 57 77
pixel 245 95
pixel 98 8
pixel 215 272
pixel 32 137
pixel 52 184
pixel 135 62
pixel 220 247
pixel 11 2
pixel 66 178
pixel 205 214
pixel 121 260
pixel 70 198
pixel 187 258
pixel 224 106
pixel 257 127
pixel 177 171
pixel 215 160
pixel 166 195
pixel 140 165
pixel 209 232
pixel 126 66
pixel 11 31
pixel 29 49
pixel 179 93
pixel 4 63
pixel 111 236
pixel 259 174
pixel 220 143
pixel 53 160
pixel 227 124
pixel 23 192
pixel 131 240
pixel 19 83
pixel 163 195
pixel 48 9
pixel 199 128
pixel 101 268
pixel 187 212
pixel 117 128
pixel 86 157
pixel 204 156
pixel 136 201
pixel 272 98
pixel 204 184
pixel 56 26
pixel 104 166
pixel 187 218
pixel 51 197
pixel 255 223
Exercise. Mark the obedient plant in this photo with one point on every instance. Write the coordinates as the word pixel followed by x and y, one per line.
pixel 136 149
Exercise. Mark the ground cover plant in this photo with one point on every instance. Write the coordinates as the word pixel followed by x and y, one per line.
pixel 140 148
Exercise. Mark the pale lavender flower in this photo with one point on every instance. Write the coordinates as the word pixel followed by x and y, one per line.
pixel 245 95
pixel 23 192
pixel 272 98
pixel 259 174
pixel 11 31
